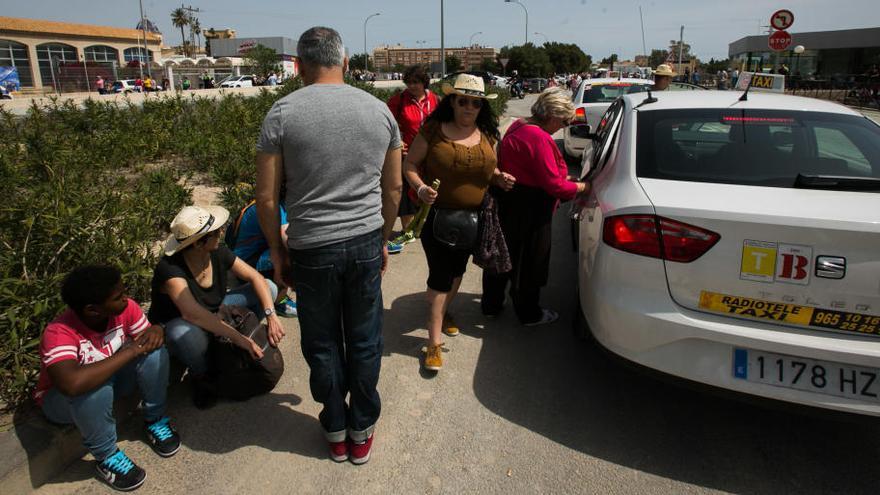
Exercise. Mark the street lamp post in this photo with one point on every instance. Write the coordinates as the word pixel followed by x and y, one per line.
pixel 546 40
pixel 86 70
pixel 471 42
pixel 797 66
pixel 366 54
pixel 527 15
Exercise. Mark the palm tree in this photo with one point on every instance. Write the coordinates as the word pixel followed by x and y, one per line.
pixel 197 29
pixel 180 19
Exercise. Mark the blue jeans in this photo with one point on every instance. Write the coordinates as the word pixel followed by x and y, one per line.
pixel 339 298
pixel 189 343
pixel 92 412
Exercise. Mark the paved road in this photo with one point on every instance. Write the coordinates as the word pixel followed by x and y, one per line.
pixel 515 410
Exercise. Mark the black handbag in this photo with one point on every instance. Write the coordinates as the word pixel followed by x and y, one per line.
pixel 458 229
pixel 238 375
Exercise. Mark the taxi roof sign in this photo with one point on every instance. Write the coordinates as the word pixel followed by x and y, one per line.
pixel 761 82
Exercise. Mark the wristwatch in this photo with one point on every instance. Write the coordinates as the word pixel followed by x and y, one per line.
pixel 269 312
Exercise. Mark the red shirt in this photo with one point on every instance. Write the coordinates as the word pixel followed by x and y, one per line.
pixel 66 337
pixel 530 154
pixel 411 113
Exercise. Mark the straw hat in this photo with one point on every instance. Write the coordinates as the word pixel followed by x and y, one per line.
pixel 193 223
pixel 664 70
pixel 468 85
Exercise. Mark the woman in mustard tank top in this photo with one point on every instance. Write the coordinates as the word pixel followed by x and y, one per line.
pixel 456 146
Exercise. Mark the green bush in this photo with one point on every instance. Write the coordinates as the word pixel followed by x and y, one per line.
pixel 99 183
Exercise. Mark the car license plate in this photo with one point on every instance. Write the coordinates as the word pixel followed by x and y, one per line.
pixel 791 314
pixel 823 377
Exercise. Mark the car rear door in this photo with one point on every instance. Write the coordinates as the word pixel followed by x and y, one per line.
pixel 795 257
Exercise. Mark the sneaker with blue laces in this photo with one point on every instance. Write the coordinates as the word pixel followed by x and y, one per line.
pixel 286 308
pixel 394 248
pixel 163 437
pixel 405 238
pixel 121 473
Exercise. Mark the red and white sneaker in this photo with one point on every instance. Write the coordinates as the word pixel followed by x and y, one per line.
pixel 339 451
pixel 359 453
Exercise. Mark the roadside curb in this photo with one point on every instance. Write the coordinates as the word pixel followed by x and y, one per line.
pixel 34 450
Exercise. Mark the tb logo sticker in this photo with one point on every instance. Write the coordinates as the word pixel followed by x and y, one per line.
pixel 775 262
pixel 793 264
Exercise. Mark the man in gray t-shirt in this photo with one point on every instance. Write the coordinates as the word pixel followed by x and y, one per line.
pixel 333 139
pixel 338 151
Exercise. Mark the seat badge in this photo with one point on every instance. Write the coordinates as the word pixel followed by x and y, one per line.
pixel 833 267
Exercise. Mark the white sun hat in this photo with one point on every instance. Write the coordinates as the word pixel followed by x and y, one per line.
pixel 468 85
pixel 193 223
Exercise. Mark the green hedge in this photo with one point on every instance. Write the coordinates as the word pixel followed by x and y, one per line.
pixel 99 183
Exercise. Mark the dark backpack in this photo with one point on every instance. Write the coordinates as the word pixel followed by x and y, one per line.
pixel 231 237
pixel 238 375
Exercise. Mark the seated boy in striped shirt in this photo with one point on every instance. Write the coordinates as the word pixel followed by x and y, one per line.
pixel 100 346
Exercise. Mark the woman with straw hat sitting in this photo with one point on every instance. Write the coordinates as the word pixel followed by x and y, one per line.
pixel 189 286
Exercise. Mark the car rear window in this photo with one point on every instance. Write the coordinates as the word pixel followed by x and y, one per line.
pixel 606 93
pixel 754 147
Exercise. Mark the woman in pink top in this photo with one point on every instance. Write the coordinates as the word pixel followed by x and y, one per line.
pixel 529 153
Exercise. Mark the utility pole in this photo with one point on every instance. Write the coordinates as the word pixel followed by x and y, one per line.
pixel 680 46
pixel 191 11
pixel 442 45
pixel 642 20
pixel 146 43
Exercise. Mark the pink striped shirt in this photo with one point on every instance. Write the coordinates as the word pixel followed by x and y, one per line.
pixel 66 337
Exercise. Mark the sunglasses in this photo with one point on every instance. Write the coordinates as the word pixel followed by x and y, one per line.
pixel 463 101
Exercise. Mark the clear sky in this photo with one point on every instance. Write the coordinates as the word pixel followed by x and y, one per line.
pixel 598 27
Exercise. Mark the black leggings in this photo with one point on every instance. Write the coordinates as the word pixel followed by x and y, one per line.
pixel 526 215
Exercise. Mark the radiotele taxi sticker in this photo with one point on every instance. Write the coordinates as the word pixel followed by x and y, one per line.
pixel 791 314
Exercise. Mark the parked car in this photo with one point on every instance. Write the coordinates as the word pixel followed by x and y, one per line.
pixel 123 86
pixel 534 84
pixel 737 244
pixel 591 99
pixel 499 82
pixel 238 82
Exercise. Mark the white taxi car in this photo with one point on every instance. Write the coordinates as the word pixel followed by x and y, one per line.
pixel 737 244
pixel 591 100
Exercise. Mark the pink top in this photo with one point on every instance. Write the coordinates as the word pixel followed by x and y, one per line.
pixel 530 154
pixel 67 337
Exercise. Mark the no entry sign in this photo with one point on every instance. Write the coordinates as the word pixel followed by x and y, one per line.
pixel 779 41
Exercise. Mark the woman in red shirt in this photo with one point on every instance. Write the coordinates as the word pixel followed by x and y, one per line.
pixel 410 108
pixel 529 153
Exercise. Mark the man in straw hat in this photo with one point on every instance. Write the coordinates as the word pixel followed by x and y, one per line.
pixel 662 77
pixel 339 149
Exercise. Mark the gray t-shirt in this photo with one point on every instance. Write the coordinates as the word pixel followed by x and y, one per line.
pixel 334 139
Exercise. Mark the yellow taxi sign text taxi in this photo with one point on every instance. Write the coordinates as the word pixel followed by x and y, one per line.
pixel 761 82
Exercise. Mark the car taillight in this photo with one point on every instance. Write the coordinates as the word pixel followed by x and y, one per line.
pixel 580 114
pixel 658 237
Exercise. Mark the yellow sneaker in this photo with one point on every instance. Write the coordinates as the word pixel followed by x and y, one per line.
pixel 449 326
pixel 434 357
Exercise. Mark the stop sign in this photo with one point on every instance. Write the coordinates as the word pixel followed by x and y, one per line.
pixel 779 40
